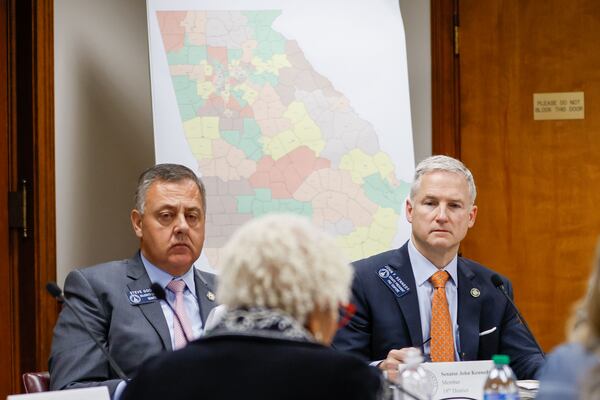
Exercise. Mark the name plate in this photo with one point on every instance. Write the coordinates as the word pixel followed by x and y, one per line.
pixel 93 393
pixel 458 380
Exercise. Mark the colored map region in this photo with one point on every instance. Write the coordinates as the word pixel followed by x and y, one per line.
pixel 271 134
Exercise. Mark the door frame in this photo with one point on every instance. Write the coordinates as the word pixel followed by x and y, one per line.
pixel 42 163
pixel 445 78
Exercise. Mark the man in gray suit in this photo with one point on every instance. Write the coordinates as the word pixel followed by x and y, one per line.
pixel 115 298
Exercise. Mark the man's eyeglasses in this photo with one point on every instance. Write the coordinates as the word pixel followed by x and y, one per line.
pixel 346 313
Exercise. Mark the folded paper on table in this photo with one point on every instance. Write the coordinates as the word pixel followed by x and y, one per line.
pixel 93 393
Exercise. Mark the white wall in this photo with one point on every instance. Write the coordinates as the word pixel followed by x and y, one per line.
pixel 104 120
pixel 103 127
pixel 417 28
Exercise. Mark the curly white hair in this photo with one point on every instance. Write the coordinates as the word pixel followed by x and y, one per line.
pixel 282 261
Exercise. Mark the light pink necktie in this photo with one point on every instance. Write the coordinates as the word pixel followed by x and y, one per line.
pixel 178 287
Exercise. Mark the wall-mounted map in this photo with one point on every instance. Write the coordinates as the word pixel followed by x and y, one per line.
pixel 281 110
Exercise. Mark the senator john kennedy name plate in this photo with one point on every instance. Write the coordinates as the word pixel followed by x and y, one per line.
pixel 458 380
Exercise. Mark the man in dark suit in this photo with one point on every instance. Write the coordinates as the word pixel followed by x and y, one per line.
pixel 115 299
pixel 424 295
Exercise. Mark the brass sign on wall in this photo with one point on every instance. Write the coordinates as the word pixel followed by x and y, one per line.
pixel 562 105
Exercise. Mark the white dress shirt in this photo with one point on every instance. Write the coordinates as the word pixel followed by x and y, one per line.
pixel 192 307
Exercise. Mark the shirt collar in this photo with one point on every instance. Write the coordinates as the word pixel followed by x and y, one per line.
pixel 163 278
pixel 423 268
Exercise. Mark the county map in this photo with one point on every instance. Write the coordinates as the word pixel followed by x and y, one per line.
pixel 271 134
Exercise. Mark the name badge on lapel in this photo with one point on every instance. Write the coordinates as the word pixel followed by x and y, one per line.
pixel 392 281
pixel 141 296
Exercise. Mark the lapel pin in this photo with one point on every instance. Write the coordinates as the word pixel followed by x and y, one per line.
pixel 210 296
pixel 475 292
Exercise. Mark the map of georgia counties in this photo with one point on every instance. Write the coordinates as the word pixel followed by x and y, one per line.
pixel 271 134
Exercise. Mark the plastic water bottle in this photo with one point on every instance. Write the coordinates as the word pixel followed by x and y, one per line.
pixel 412 378
pixel 501 383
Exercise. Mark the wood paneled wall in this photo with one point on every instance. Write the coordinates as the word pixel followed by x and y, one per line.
pixel 537 180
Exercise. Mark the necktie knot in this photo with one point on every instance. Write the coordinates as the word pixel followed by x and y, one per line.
pixel 176 286
pixel 439 279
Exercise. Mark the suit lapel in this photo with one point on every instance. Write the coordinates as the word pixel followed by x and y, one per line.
pixel 204 293
pixel 469 310
pixel 409 303
pixel 151 311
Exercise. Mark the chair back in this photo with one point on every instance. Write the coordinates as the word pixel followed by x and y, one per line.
pixel 36 382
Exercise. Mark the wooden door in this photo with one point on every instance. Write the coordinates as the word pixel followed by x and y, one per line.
pixel 538 181
pixel 27 249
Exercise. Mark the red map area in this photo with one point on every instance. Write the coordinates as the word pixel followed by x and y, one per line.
pixel 218 54
pixel 285 175
pixel 172 29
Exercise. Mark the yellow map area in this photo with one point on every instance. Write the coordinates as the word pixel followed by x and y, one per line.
pixel 373 239
pixel 201 131
pixel 273 65
pixel 304 132
pixel 360 165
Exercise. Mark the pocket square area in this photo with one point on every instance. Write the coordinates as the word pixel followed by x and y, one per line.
pixel 487 332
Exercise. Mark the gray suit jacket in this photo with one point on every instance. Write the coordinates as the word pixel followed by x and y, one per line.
pixel 131 333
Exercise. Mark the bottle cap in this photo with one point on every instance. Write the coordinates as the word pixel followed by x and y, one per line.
pixel 501 359
pixel 413 357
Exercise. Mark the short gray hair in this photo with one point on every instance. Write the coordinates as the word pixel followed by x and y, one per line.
pixel 165 173
pixel 282 261
pixel 442 163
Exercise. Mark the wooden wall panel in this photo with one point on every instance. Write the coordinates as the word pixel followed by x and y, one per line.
pixel 9 345
pixel 538 181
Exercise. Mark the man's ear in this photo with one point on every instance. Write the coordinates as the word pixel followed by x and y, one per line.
pixel 408 210
pixel 472 216
pixel 136 222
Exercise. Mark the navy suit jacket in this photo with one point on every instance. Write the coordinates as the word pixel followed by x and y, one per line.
pixel 384 321
pixel 131 333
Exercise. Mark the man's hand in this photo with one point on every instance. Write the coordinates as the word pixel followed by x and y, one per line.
pixel 390 364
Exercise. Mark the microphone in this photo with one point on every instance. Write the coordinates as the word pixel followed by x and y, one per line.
pixel 159 292
pixel 56 292
pixel 497 281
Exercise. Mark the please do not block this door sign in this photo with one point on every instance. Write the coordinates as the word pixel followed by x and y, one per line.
pixel 560 105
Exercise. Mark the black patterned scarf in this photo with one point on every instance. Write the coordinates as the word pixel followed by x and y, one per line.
pixel 261 322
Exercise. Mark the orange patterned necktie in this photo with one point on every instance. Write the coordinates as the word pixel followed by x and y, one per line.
pixel 442 340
